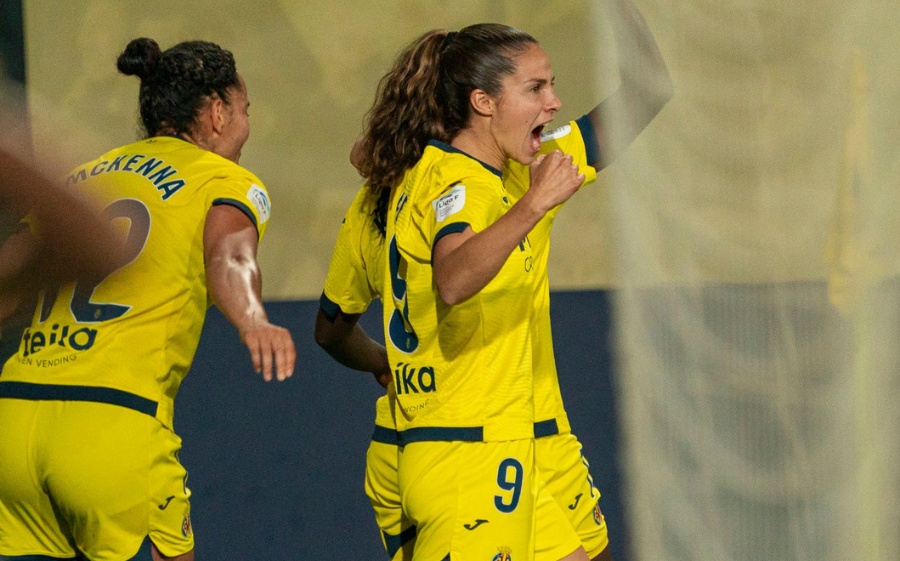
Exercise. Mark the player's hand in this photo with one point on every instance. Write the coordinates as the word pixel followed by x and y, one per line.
pixel 270 346
pixel 383 378
pixel 554 178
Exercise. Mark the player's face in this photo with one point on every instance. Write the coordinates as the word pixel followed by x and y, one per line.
pixel 236 128
pixel 526 104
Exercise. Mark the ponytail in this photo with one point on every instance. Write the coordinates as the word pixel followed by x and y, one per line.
pixel 406 114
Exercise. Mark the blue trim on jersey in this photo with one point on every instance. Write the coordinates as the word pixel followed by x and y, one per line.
pixel 589 135
pixel 330 308
pixel 385 435
pixel 447 148
pixel 546 428
pixel 441 434
pixel 394 543
pixel 51 392
pixel 240 206
pixel 454 228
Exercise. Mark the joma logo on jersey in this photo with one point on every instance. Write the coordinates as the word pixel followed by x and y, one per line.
pixel 80 340
pixel 409 379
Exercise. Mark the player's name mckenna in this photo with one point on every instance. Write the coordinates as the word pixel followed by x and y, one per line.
pixel 155 170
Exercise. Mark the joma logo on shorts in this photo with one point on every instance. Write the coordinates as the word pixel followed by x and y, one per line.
pixel 409 379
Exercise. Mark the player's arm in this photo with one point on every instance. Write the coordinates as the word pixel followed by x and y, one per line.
pixel 465 262
pixel 347 342
pixel 235 285
pixel 74 242
pixel 645 85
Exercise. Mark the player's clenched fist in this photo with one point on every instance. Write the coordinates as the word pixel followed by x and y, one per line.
pixel 554 178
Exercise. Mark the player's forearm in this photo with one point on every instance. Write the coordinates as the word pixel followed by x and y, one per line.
pixel 645 84
pixel 235 285
pixel 635 44
pixel 352 348
pixel 74 240
pixel 360 352
pixel 465 269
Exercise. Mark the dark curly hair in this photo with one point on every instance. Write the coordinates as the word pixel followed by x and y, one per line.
pixel 426 94
pixel 175 84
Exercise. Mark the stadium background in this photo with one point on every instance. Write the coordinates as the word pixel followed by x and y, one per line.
pixel 765 189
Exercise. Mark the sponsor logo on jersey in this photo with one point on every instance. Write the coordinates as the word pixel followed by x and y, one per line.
pixel 556 133
pixel 410 379
pixel 450 204
pixel 505 554
pixel 476 524
pixel 260 200
pixel 598 516
pixel 34 341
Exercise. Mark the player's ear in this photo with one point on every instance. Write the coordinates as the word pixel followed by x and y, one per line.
pixel 215 114
pixel 482 102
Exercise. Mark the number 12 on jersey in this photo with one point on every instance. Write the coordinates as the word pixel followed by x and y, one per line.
pixel 81 306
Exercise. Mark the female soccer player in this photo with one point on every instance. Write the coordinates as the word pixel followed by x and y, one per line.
pixel 459 271
pixel 638 100
pixel 88 456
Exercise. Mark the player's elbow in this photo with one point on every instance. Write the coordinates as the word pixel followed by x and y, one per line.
pixel 449 292
pixel 326 336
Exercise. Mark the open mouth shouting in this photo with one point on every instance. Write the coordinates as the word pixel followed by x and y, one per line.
pixel 536 138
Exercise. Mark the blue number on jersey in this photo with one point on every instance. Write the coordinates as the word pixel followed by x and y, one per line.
pixel 85 311
pixel 503 481
pixel 400 332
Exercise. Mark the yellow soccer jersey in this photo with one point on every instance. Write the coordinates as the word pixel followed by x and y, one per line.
pixel 356 272
pixel 130 338
pixel 577 139
pixel 461 372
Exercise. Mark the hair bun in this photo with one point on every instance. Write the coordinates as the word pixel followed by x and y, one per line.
pixel 140 58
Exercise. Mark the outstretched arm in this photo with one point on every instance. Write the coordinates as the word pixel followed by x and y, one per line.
pixel 348 343
pixel 235 285
pixel 645 85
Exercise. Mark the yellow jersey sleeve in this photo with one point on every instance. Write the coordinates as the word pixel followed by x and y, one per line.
pixel 243 190
pixel 356 269
pixel 471 203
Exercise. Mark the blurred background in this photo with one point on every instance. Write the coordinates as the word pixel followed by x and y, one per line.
pixel 726 304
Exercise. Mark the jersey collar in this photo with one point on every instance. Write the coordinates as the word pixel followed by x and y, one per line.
pixel 447 148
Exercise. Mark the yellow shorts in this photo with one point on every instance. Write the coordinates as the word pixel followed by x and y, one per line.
pixel 562 474
pixel 478 500
pixel 397 532
pixel 89 477
pixel 565 474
